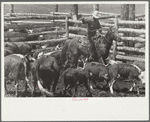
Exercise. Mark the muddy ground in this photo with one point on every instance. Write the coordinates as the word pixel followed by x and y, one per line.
pixel 120 90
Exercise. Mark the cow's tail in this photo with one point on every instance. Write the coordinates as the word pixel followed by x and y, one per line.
pixel 43 90
pixel 26 74
pixel 63 54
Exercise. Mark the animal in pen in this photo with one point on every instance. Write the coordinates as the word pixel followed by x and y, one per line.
pixel 45 70
pixel 17 68
pixel 72 78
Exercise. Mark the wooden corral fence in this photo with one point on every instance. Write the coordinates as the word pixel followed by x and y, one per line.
pixel 119 51
pixel 30 21
pixel 106 19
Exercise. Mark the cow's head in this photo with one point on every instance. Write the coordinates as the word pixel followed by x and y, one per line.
pixel 103 74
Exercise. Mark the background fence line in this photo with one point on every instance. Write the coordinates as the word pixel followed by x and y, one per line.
pixel 106 22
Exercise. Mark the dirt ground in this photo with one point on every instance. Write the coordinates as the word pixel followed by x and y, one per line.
pixel 120 90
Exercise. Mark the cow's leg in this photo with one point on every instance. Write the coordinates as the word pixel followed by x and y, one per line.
pixel 84 62
pixel 88 88
pixel 5 86
pixel 69 90
pixel 26 88
pixel 64 90
pixel 76 86
pixel 55 83
pixel 66 63
pixel 138 90
pixel 131 89
pixel 34 87
pixel 17 87
pixel 92 80
pixel 101 60
pixel 111 85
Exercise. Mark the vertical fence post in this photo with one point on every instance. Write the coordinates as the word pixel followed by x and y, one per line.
pixel 115 43
pixel 67 27
pixel 11 10
pixel 53 17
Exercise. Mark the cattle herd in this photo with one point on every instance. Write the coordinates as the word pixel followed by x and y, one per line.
pixel 43 71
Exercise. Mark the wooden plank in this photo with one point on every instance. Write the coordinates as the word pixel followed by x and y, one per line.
pixel 130 49
pixel 129 58
pixel 74 35
pixel 33 17
pixel 52 41
pixel 80 22
pixel 81 29
pixel 106 24
pixel 86 14
pixel 27 14
pixel 9 35
pixel 119 53
pixel 67 27
pixel 78 29
pixel 75 21
pixel 63 13
pixel 45 49
pixel 28 26
pixel 115 43
pixel 136 39
pixel 109 13
pixel 129 30
pixel 140 15
pixel 122 22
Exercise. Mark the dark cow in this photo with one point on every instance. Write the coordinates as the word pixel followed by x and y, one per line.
pixel 19 48
pixel 129 72
pixel 55 54
pixel 7 52
pixel 21 30
pixel 41 29
pixel 71 77
pixel 17 68
pixel 22 39
pixel 97 71
pixel 44 71
pixel 23 48
pixel 11 47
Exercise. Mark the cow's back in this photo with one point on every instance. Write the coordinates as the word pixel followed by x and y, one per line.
pixel 94 67
pixel 12 47
pixel 23 48
pixel 127 69
pixel 14 67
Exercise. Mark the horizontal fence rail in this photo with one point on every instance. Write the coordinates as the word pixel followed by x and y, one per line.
pixel 129 30
pixel 130 49
pixel 136 39
pixel 28 26
pixel 9 35
pixel 121 22
pixel 33 17
pixel 129 58
pixel 51 41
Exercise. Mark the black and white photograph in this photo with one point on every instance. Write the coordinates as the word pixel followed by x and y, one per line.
pixel 75 61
